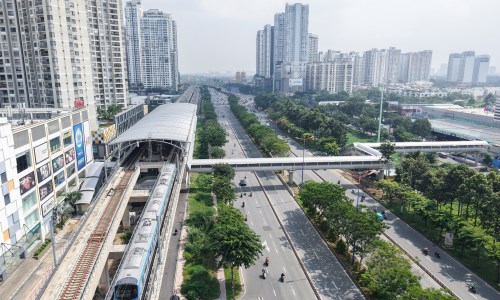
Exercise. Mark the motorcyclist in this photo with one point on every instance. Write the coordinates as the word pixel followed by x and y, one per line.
pixel 282 277
pixel 338 182
pixel 266 261
pixel 426 250
pixel 437 254
pixel 243 204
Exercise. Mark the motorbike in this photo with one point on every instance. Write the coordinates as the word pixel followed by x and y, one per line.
pixel 425 251
pixel 282 277
pixel 437 254
pixel 243 204
pixel 472 288
pixel 264 274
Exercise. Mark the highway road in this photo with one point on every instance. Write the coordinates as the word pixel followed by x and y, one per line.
pixel 327 275
pixel 446 269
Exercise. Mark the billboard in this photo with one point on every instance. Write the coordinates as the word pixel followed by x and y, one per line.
pixel 89 156
pixel 55 145
pixel 59 178
pixel 70 155
pixel 27 182
pixel 57 163
pixel 47 206
pixel 79 146
pixel 295 82
pixel 43 172
pixel 41 153
pixel 45 190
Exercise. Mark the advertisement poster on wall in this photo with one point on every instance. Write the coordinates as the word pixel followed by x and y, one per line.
pixel 27 182
pixel 70 155
pixel 79 146
pixel 45 190
pixel 59 178
pixel 43 172
pixel 55 145
pixel 47 206
pixel 57 163
pixel 41 153
pixel 89 156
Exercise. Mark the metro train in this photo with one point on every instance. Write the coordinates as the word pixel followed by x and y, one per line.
pixel 132 274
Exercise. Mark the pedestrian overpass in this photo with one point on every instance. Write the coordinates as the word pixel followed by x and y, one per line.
pixel 371 160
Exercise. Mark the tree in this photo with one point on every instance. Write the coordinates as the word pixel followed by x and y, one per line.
pixel 203 218
pixel 63 210
pixel 489 99
pixel 72 197
pixel 389 272
pixel 418 293
pixel 492 247
pixel 387 149
pixel 224 170
pixel 223 189
pixel 215 134
pixel 217 152
pixel 319 196
pixel 488 159
pixel 200 284
pixel 421 127
pixel 233 241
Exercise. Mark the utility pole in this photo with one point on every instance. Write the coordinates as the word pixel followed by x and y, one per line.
pixel 380 115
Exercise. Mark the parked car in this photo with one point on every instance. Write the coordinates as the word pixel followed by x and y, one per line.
pixel 243 182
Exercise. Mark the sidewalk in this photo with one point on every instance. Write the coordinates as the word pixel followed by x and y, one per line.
pixel 31 273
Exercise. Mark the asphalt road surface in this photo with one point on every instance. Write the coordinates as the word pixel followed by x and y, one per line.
pixel 327 275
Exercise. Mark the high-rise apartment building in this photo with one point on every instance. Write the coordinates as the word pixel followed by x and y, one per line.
pixel 264 59
pixel 62 54
pixel 453 67
pixel 278 39
pixel 107 48
pixel 333 76
pixel 393 57
pixel 375 67
pixel 159 50
pixel 312 55
pixel 415 66
pixel 296 32
pixel 467 68
pixel 133 15
pixel 481 66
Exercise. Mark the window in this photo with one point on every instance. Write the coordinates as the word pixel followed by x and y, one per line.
pixel 23 161
pixel 3 178
pixel 29 201
pixel 6 199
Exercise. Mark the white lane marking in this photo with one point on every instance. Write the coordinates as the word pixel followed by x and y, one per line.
pixel 270 235
pixel 428 258
pixel 266 246
pixel 293 291
pixel 316 254
pixel 274 293
pixel 251 222
pixel 275 248
pixel 284 270
pixel 408 242
pixel 302 232
pixel 473 295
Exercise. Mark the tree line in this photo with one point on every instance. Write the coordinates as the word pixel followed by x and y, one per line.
pixel 450 199
pixel 210 134
pixel 388 273
pixel 263 136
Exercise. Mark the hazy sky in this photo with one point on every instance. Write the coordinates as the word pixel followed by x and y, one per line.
pixel 219 35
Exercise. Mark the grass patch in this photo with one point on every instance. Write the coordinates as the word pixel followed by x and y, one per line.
pixel 354 136
pixel 237 283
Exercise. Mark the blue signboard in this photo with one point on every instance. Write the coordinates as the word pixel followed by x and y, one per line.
pixel 79 146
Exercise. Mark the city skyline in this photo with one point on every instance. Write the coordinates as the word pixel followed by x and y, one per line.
pixel 225 29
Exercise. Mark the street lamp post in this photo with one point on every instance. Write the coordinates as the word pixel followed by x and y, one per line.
pixel 304 138
pixel 380 115
pixel 357 211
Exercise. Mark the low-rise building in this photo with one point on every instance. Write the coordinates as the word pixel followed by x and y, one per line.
pixel 40 163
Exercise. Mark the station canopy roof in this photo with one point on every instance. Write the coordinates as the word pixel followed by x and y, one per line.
pixel 168 122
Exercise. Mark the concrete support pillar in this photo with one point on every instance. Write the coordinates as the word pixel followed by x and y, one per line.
pixel 126 219
pixel 104 281
pixel 475 157
pixel 290 177
pixel 381 174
